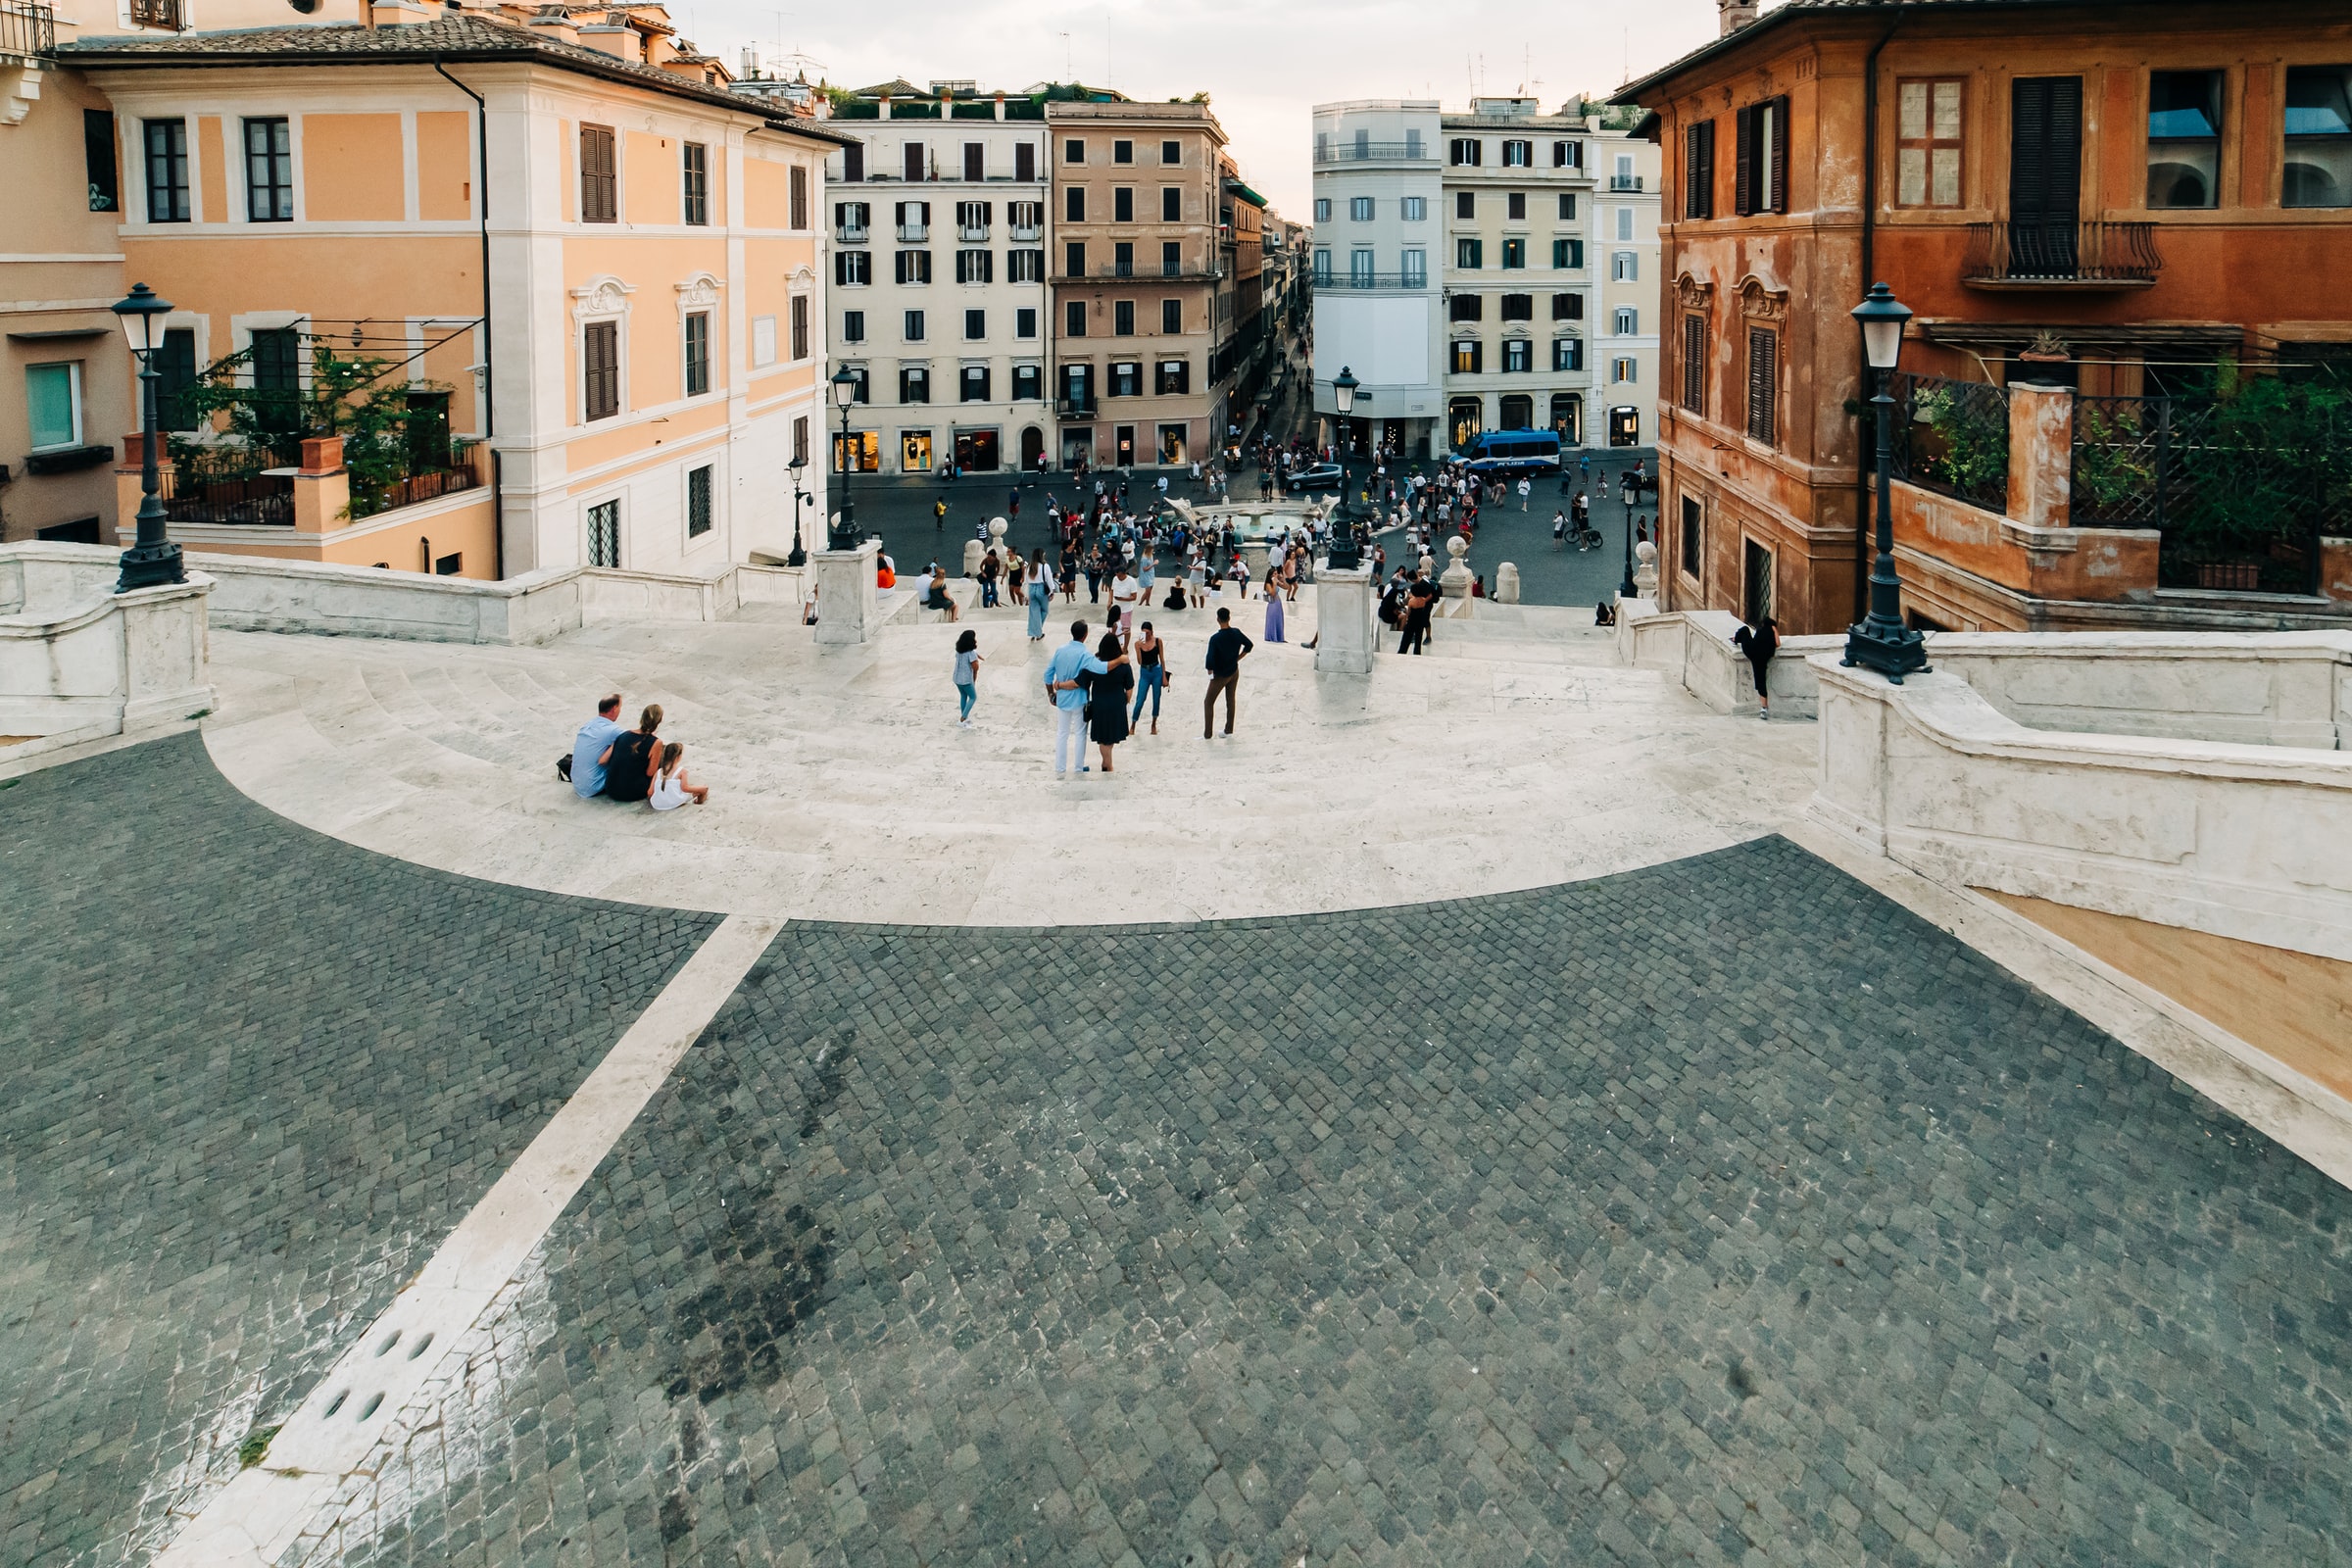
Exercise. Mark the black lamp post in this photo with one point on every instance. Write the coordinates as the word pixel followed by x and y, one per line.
pixel 799 467
pixel 842 533
pixel 154 560
pixel 1344 555
pixel 1881 642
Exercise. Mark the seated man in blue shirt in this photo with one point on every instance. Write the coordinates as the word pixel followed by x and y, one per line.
pixel 585 767
pixel 1067 694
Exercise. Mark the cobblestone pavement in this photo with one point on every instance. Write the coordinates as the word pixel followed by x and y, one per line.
pixel 251 1077
pixel 1720 1211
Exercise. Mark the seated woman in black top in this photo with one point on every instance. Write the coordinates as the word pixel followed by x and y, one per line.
pixel 632 758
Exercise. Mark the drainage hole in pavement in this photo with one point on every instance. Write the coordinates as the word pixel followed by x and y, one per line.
pixel 337 1403
pixel 368 1408
pixel 418 1348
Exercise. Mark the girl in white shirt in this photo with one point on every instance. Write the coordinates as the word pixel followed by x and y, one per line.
pixel 672 788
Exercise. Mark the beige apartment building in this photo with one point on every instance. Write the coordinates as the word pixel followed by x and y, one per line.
pixel 1141 292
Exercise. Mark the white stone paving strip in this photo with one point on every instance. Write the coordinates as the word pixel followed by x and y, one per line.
pixel 344 1422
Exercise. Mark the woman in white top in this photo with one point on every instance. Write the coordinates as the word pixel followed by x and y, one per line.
pixel 1124 592
pixel 672 788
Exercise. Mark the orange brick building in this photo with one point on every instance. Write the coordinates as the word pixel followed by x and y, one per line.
pixel 2111 196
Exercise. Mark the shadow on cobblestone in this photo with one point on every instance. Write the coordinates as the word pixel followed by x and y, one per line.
pixel 251 1077
pixel 1712 1210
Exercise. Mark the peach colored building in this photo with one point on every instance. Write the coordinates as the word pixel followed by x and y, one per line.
pixel 609 330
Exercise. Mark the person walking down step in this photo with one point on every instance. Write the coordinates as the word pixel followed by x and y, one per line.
pixel 967 676
pixel 1227 647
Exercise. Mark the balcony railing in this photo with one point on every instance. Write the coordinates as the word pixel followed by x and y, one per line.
pixel 237 485
pixel 1179 273
pixel 1075 407
pixel 1625 182
pixel 851 233
pixel 2068 255
pixel 1384 152
pixel 158 14
pixel 973 233
pixel 26 28
pixel 1372 280
pixel 913 234
pixel 1024 234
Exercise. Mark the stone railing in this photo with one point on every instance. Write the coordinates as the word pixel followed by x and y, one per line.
pixel 2237 839
pixel 79 661
pixel 1693 649
pixel 254 593
pixel 2258 689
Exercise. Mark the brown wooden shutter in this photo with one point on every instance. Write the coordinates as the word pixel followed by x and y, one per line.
pixel 1698 170
pixel 1025 161
pixel 1763 384
pixel 600 355
pixel 1777 196
pixel 974 162
pixel 799 197
pixel 915 161
pixel 598 186
pixel 1744 159
pixel 1695 364
pixel 852 163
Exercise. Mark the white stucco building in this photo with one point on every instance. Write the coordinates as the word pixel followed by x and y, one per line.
pixel 1377 270
pixel 938 272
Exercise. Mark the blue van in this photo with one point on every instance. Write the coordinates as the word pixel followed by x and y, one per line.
pixel 1507 454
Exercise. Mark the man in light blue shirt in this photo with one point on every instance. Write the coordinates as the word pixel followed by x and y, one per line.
pixel 1069 661
pixel 592 745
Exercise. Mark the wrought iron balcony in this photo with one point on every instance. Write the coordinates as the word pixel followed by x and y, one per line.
pixel 973 233
pixel 1387 282
pixel 851 233
pixel 1625 182
pixel 1067 408
pixel 913 234
pixel 2070 255
pixel 26 29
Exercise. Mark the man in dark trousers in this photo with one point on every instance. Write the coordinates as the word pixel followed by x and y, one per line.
pixel 1227 647
pixel 1419 602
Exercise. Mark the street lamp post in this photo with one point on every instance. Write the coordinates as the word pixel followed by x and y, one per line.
pixel 154 560
pixel 841 532
pixel 1881 642
pixel 799 467
pixel 1344 554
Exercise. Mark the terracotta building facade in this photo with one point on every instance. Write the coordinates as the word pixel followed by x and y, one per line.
pixel 2122 201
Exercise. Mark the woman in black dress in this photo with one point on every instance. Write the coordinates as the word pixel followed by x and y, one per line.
pixel 1106 698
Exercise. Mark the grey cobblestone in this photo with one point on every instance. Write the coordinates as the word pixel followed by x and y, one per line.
pixel 250 1077
pixel 1609 1223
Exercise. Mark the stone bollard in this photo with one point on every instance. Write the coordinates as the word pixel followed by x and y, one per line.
pixel 995 540
pixel 1506 584
pixel 1455 584
pixel 1646 570
pixel 973 550
pixel 1344 628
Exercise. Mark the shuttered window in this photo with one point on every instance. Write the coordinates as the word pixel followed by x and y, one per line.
pixel 1763 386
pixel 1761 162
pixel 800 326
pixel 600 184
pixel 600 370
pixel 799 197
pixel 1699 170
pixel 1695 364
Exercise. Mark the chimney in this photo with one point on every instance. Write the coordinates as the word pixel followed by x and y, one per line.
pixel 615 38
pixel 1736 14
pixel 553 21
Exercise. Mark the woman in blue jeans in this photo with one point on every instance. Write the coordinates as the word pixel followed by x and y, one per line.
pixel 1150 673
pixel 1041 596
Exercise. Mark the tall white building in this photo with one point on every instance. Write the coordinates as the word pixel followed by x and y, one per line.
pixel 1379 233
pixel 1497 270
pixel 938 304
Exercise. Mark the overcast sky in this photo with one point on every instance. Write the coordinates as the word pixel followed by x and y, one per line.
pixel 1262 64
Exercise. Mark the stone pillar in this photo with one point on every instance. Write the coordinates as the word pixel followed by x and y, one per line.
pixel 1646 570
pixel 973 550
pixel 321 487
pixel 846 609
pixel 995 540
pixel 1344 625
pixel 1506 584
pixel 2041 454
pixel 1456 583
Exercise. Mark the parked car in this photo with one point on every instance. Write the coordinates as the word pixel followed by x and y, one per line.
pixel 1317 476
